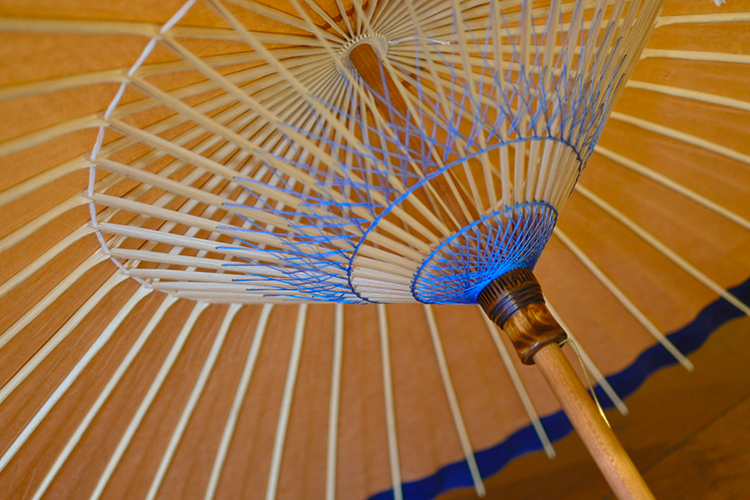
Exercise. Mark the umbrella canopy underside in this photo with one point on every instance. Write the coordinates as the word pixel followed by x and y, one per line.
pixel 110 388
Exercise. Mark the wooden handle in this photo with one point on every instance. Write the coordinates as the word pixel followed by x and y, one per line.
pixel 515 302
pixel 606 450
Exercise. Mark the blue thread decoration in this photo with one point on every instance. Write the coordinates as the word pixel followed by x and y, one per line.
pixel 459 269
pixel 530 97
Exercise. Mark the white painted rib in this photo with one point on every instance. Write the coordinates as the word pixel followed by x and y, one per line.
pixel 55 293
pixel 156 384
pixel 102 398
pixel 61 389
pixel 239 397
pixel 623 299
pixel 589 364
pixel 177 16
pixel 59 336
pixel 691 94
pixel 674 185
pixel 683 136
pixel 665 250
pixel 697 55
pixel 195 395
pixel 286 403
pixel 333 413
pixel 523 394
pixel 450 392
pixel 390 411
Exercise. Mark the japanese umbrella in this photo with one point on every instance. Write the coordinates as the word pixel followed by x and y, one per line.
pixel 188 188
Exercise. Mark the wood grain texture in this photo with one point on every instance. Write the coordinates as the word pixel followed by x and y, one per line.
pixel 606 450
pixel 531 329
pixel 515 302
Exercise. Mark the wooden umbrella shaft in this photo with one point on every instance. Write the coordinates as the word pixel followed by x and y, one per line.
pixel 606 450
pixel 515 302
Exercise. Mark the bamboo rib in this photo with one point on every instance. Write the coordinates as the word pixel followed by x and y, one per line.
pixel 42 260
pixel 49 133
pixel 148 398
pixel 687 94
pixel 187 411
pixel 684 137
pixel 450 393
pixel 188 156
pixel 367 64
pixel 665 250
pixel 519 158
pixel 62 83
pixel 434 217
pixel 52 295
pixel 335 401
pixel 46 177
pixel 218 129
pixel 400 99
pixel 344 15
pixel 286 403
pixel 32 184
pixel 67 167
pixel 523 394
pixel 623 299
pixel 389 403
pixel 471 87
pixel 244 98
pixel 346 71
pixel 79 26
pixel 224 82
pixel 278 15
pixel 103 338
pixel 104 395
pixel 706 18
pixel 198 262
pixel 442 99
pixel 694 55
pixel 239 396
pixel 433 17
pixel 674 185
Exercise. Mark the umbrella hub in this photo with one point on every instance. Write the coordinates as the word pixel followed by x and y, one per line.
pixel 377 41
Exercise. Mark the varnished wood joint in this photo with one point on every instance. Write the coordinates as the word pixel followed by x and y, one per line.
pixel 514 301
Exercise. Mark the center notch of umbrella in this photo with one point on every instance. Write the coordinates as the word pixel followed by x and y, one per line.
pixel 376 41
